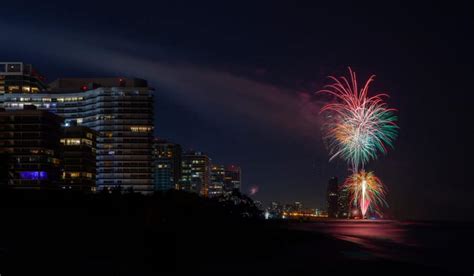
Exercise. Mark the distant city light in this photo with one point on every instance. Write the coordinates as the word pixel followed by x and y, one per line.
pixel 267 215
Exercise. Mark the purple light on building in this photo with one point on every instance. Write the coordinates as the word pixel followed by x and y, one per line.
pixel 35 175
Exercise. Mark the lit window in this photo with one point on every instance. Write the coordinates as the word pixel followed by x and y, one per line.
pixel 74 174
pixel 26 89
pixel 71 142
pixel 13 88
pixel 140 129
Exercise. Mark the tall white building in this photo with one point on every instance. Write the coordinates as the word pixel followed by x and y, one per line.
pixel 120 110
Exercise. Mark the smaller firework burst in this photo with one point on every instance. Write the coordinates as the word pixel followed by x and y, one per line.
pixel 366 191
pixel 253 190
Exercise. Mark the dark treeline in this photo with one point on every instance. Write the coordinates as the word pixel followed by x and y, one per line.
pixel 115 232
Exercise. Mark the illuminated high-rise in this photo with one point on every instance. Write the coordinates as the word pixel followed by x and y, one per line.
pixel 166 164
pixel 332 197
pixel 120 110
pixel 343 204
pixel 232 178
pixel 16 77
pixel 78 152
pixel 29 140
pixel 196 172
pixel 217 183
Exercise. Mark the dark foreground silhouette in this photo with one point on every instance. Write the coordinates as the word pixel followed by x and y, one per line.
pixel 72 233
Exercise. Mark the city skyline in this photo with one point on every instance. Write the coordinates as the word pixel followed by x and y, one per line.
pixel 233 138
pixel 253 86
pixel 24 91
pixel 105 133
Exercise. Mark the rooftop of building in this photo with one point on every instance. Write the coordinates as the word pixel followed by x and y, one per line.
pixel 67 85
pixel 18 68
pixel 82 84
pixel 17 71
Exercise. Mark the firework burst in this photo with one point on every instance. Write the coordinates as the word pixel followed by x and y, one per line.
pixel 366 191
pixel 358 127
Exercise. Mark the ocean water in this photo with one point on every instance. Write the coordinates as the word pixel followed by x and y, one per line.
pixel 445 244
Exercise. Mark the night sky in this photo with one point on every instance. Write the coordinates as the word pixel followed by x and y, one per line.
pixel 237 81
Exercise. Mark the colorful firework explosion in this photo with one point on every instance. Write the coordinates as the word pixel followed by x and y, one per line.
pixel 358 126
pixel 366 191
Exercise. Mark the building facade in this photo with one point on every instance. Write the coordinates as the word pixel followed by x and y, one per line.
pixel 232 179
pixel 217 183
pixel 196 172
pixel 29 140
pixel 16 77
pixel 166 164
pixel 343 204
pixel 78 151
pixel 120 110
pixel 332 197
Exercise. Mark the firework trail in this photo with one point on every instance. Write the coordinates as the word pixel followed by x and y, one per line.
pixel 366 191
pixel 358 126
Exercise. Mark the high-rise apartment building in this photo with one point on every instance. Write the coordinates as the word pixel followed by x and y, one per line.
pixel 16 77
pixel 120 110
pixel 332 197
pixel 232 179
pixel 78 152
pixel 196 171
pixel 343 204
pixel 166 164
pixel 217 183
pixel 29 140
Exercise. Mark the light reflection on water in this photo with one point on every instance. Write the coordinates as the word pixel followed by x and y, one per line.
pixel 362 230
pixel 428 243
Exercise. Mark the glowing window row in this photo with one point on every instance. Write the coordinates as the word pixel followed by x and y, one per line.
pixel 75 141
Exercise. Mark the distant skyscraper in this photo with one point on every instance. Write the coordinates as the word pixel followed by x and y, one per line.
pixel 166 164
pixel 332 197
pixel 343 204
pixel 298 206
pixel 232 178
pixel 30 139
pixel 78 148
pixel 216 188
pixel 196 172
pixel 120 110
